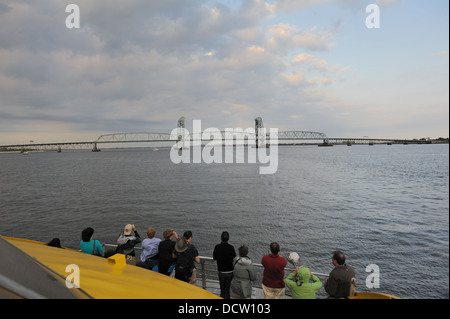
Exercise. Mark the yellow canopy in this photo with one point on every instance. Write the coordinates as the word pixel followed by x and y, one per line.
pixel 109 278
pixel 373 295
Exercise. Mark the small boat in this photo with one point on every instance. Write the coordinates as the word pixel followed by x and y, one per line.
pixel 155 149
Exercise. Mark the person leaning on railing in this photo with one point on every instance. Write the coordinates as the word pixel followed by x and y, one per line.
pixel 224 254
pixel 150 250
pixel 273 275
pixel 342 277
pixel 88 244
pixel 166 247
pixel 126 242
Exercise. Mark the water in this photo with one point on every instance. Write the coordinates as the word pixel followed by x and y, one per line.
pixel 383 205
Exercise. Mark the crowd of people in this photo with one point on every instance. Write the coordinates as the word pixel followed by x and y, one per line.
pixel 176 256
pixel 237 273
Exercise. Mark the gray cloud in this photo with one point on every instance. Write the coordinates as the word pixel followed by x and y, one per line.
pixel 145 62
pixel 139 65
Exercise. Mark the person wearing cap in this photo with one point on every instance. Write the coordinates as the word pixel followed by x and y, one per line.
pixel 186 254
pixel 299 283
pixel 126 243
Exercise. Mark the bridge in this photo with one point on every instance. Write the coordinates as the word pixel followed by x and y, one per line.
pixel 181 135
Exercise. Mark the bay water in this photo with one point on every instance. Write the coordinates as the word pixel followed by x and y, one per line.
pixel 386 205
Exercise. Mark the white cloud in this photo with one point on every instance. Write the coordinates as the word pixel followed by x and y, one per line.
pixel 139 65
pixel 441 53
pixel 308 58
pixel 292 5
pixel 283 37
pixel 384 3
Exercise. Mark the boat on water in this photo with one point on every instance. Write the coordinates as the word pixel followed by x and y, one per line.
pixel 34 270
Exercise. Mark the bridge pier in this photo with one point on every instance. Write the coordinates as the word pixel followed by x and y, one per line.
pixel 326 142
pixel 95 149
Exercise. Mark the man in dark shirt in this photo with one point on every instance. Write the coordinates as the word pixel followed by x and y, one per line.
pixel 224 254
pixel 166 248
pixel 338 284
pixel 186 254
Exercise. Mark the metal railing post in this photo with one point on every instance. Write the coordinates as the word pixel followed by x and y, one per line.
pixel 203 273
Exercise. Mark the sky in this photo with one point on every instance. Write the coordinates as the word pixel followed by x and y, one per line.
pixel 300 65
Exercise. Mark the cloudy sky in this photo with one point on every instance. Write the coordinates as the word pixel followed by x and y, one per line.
pixel 138 65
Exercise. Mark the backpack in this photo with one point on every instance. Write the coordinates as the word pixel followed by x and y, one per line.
pixel 184 266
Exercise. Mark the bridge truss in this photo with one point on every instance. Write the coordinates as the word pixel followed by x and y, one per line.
pixel 294 137
pixel 205 136
pixel 135 137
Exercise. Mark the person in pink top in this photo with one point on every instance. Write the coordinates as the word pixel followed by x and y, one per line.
pixel 273 276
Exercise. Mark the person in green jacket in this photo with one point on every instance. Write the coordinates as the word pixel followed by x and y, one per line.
pixel 302 288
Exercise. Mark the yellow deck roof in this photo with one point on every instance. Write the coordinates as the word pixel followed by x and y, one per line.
pixel 373 295
pixel 110 278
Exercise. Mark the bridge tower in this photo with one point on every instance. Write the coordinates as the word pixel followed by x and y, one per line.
pixel 181 133
pixel 260 133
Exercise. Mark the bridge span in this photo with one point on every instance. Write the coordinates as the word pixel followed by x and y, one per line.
pixel 179 135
